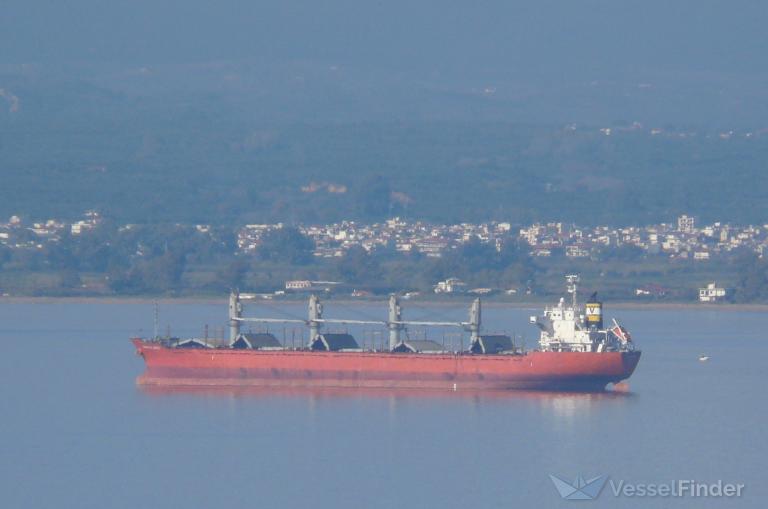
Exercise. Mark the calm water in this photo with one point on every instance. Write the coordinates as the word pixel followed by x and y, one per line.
pixel 77 432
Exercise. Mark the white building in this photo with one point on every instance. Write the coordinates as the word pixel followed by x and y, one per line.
pixel 298 285
pixel 451 285
pixel 685 224
pixel 712 293
pixel 576 251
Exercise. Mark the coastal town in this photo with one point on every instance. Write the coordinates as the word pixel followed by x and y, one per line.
pixel 682 239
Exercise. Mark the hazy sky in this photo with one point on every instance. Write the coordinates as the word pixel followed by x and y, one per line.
pixel 595 61
pixel 529 35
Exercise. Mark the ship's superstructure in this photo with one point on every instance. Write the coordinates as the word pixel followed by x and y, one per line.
pixel 564 328
pixel 576 353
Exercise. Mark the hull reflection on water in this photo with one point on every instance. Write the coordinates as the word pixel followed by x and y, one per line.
pixel 561 400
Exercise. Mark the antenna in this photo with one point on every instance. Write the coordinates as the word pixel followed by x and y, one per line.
pixel 573 280
pixel 157 320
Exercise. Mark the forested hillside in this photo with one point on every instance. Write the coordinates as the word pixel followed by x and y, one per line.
pixel 198 163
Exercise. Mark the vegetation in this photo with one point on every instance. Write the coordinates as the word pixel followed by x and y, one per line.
pixel 185 260
pixel 218 168
pixel 752 282
pixel 286 245
pixel 160 164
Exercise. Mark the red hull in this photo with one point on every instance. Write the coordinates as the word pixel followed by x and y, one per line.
pixel 291 368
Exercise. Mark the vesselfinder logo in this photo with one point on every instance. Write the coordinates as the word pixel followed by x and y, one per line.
pixel 579 489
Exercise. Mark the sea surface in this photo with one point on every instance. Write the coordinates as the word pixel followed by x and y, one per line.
pixel 76 431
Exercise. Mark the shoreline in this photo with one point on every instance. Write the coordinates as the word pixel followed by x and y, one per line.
pixel 534 304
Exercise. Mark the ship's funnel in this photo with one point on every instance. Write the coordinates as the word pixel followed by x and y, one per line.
pixel 594 312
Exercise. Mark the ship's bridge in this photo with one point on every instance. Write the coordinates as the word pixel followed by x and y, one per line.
pixel 564 328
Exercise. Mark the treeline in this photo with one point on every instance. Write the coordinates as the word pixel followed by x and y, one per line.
pixel 186 260
pixel 176 259
pixel 157 171
pixel 122 260
pixel 286 254
pixel 752 282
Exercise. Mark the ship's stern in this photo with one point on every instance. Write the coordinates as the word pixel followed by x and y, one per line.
pixel 629 361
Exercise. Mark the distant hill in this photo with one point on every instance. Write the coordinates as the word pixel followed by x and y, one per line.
pixel 173 153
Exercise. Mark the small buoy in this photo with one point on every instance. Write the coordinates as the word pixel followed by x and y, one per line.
pixel 703 358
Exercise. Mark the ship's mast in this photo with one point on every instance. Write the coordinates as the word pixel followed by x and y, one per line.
pixel 235 315
pixel 157 321
pixel 473 325
pixel 573 281
pixel 394 322
pixel 315 317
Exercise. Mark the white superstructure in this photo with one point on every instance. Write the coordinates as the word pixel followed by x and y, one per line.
pixel 565 328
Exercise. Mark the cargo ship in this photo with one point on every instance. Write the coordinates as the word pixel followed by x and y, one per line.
pixel 576 352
